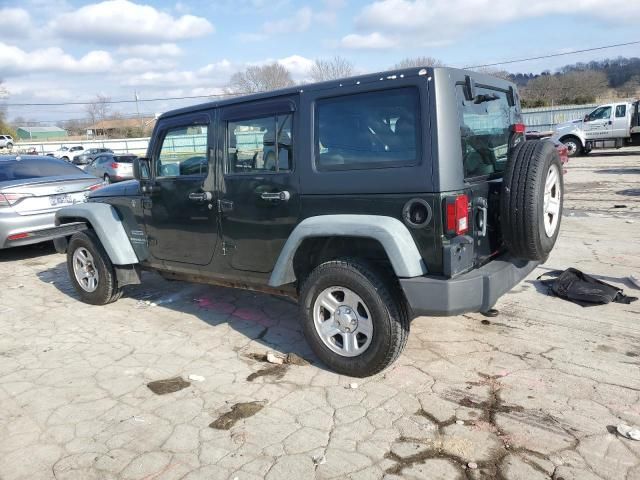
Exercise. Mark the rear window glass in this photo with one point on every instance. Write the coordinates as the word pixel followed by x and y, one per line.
pixel 124 158
pixel 485 130
pixel 368 130
pixel 36 168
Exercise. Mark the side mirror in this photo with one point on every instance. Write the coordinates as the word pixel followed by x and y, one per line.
pixel 469 88
pixel 141 169
pixel 586 118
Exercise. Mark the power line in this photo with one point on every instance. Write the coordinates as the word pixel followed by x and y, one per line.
pixel 552 55
pixel 218 95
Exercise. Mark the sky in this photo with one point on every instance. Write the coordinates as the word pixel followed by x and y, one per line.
pixel 66 50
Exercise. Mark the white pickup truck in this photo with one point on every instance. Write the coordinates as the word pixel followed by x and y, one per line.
pixel 613 125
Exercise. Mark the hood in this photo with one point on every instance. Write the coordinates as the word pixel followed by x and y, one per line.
pixel 120 189
pixel 568 125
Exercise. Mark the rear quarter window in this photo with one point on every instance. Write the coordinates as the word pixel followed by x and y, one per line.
pixel 368 130
pixel 485 130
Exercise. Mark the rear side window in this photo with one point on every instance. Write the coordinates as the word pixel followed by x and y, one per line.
pixel 25 169
pixel 368 130
pixel 485 130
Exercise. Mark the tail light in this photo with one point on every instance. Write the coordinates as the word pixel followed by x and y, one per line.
pixel 10 199
pixel 94 187
pixel 19 236
pixel 518 128
pixel 457 214
pixel 114 165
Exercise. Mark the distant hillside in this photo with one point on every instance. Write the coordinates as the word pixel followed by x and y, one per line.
pixel 581 83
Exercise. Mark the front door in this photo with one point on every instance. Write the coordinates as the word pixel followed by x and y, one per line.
pixel 180 218
pixel 598 124
pixel 259 201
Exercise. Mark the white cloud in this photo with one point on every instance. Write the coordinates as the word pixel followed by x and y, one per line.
pixel 373 40
pixel 151 50
pixel 124 22
pixel 299 22
pixel 16 22
pixel 213 74
pixel 298 66
pixel 15 61
pixel 435 22
pixel 143 64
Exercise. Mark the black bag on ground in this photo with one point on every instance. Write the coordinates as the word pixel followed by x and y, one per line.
pixel 583 289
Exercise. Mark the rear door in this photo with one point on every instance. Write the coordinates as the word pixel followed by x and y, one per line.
pixel 259 201
pixel 621 121
pixel 487 135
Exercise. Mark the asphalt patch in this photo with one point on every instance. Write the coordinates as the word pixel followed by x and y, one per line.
pixel 275 371
pixel 239 411
pixel 169 385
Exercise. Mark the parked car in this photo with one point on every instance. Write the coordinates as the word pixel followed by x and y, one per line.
pixel 613 125
pixel 6 141
pixel 112 168
pixel 66 153
pixel 32 189
pixel 89 155
pixel 388 196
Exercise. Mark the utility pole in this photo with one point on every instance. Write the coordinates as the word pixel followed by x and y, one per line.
pixel 135 93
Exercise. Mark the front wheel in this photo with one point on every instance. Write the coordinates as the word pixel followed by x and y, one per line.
pixel 91 271
pixel 107 179
pixel 574 146
pixel 354 318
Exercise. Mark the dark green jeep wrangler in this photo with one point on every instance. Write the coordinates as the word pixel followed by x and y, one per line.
pixel 371 200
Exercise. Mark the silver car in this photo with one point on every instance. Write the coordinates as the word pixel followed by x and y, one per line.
pixel 32 189
pixel 112 168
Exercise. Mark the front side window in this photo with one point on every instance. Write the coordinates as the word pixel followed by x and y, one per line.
pixel 260 145
pixel 485 130
pixel 183 152
pixel 621 111
pixel 368 130
pixel 600 113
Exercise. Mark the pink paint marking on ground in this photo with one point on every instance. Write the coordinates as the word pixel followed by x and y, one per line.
pixel 220 307
pixel 253 315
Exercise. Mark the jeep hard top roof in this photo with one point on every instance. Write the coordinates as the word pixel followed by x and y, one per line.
pixel 369 78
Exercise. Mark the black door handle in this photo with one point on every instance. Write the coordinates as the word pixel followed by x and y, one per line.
pixel 200 196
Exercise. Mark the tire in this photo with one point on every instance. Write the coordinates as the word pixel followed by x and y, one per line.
pixel 383 308
pixel 107 179
pixel 9 146
pixel 574 146
pixel 66 159
pixel 106 289
pixel 530 215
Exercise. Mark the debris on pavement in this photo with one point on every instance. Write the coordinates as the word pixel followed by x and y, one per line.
pixel 472 465
pixel 627 431
pixel 353 386
pixel 578 287
pixel 238 412
pixel 169 385
pixel 196 378
pixel 295 359
pixel 459 422
pixel 635 280
pixel 275 359
pixel 319 459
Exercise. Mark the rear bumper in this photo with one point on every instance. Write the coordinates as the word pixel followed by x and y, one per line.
pixel 475 291
pixel 35 228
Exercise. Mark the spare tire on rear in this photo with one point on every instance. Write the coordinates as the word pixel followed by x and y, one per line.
pixel 531 200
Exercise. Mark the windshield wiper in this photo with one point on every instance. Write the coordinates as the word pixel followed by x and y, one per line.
pixel 485 98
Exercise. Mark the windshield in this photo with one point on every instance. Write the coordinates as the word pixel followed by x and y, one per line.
pixel 36 168
pixel 485 130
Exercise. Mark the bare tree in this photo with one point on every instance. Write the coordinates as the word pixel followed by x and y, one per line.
pixel 97 110
pixel 495 72
pixel 577 87
pixel 337 67
pixel 260 79
pixel 418 62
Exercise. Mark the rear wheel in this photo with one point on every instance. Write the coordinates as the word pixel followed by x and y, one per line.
pixel 91 271
pixel 574 146
pixel 354 318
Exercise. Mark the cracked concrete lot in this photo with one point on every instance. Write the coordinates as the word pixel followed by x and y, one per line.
pixel 534 393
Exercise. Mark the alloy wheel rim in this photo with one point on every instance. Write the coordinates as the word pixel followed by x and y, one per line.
pixel 572 147
pixel 552 200
pixel 343 321
pixel 84 270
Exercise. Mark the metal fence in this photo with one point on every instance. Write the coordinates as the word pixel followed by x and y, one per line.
pixel 544 119
pixel 137 146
